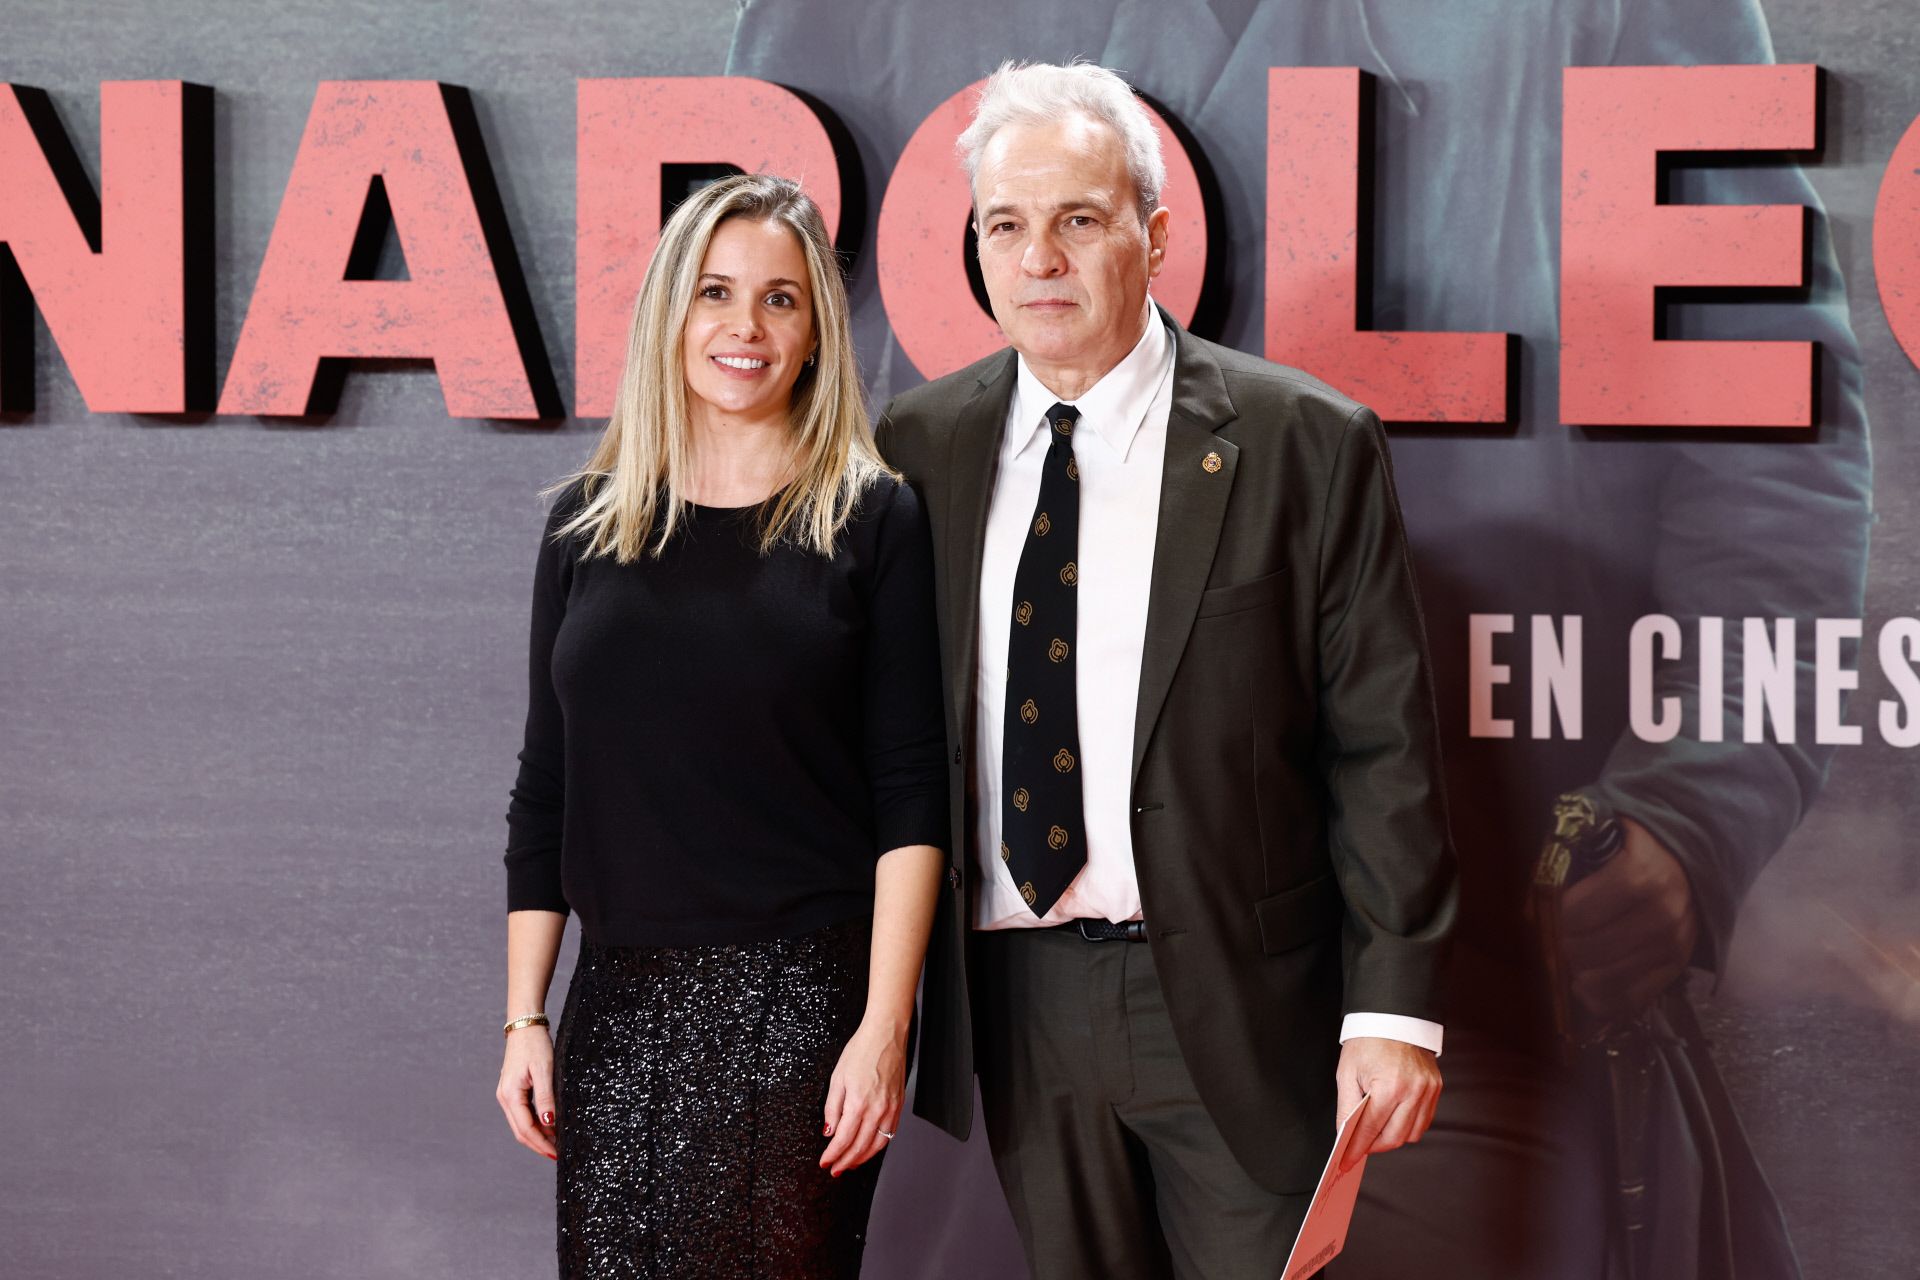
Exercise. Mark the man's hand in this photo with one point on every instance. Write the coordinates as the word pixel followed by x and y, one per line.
pixel 1402 1085
pixel 1629 928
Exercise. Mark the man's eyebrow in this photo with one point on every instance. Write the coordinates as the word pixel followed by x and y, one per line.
pixel 1064 206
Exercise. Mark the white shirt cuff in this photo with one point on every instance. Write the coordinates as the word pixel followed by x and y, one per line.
pixel 1393 1026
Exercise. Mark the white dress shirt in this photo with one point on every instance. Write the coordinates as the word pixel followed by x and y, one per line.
pixel 1119 448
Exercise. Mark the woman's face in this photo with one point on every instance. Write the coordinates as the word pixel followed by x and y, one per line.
pixel 750 324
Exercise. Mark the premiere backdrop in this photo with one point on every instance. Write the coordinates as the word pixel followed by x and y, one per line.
pixel 262 668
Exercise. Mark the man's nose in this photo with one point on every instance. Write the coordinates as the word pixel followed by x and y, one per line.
pixel 1042 257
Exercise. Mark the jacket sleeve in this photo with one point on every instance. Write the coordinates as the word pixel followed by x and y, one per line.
pixel 1379 740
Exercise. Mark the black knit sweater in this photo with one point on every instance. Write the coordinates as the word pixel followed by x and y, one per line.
pixel 720 743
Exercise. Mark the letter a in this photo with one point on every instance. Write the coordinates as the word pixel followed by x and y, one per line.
pixel 463 306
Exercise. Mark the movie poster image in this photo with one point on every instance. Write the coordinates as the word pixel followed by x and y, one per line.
pixel 1631 282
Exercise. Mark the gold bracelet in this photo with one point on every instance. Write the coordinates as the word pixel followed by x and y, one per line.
pixel 531 1020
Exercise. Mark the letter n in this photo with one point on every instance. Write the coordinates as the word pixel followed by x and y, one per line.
pixel 124 278
pixel 412 146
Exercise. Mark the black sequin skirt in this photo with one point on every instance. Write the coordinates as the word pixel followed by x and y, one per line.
pixel 690 1084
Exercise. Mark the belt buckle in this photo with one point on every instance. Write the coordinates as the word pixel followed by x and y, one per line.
pixel 1085 928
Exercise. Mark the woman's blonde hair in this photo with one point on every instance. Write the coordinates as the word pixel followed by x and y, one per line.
pixel 639 471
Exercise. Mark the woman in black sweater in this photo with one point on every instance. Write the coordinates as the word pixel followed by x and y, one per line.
pixel 734 773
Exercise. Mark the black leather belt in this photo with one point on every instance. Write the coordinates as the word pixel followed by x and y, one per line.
pixel 1108 930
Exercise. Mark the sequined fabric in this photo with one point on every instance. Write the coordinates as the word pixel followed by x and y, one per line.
pixel 690 1085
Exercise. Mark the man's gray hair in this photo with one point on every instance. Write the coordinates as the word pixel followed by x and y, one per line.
pixel 1041 92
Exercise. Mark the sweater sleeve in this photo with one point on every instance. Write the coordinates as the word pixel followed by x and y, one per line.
pixel 1722 809
pixel 905 723
pixel 536 808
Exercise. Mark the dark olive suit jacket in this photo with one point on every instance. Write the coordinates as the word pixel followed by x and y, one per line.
pixel 1289 827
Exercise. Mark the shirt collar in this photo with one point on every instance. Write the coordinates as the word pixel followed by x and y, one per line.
pixel 1114 407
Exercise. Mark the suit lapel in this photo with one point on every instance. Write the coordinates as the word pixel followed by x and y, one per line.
pixel 1193 506
pixel 971 463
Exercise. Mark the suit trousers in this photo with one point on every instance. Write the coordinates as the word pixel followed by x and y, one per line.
pixel 1110 1164
pixel 1509 1182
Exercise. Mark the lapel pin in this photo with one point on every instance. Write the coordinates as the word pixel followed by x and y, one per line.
pixel 1210 463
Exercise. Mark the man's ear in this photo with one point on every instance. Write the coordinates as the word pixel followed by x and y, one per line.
pixel 1159 224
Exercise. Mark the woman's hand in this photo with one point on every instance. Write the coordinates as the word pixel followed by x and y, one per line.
pixel 869 1083
pixel 528 1071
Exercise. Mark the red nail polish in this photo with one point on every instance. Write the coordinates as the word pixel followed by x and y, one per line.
pixel 546 1117
pixel 826 1131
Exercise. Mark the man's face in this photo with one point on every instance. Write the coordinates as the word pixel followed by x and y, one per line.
pixel 1063 252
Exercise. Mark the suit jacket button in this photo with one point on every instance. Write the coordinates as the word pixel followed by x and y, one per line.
pixel 953 877
pixel 956 755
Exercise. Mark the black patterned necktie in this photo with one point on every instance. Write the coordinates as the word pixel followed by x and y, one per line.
pixel 1042 822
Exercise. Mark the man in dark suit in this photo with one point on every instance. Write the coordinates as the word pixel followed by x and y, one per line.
pixel 1204 878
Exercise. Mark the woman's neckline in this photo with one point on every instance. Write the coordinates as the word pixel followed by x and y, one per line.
pixel 751 506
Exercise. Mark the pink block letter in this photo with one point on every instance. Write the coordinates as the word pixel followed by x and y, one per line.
pixel 1617 244
pixel 628 129
pixel 463 305
pixel 1315 245
pixel 124 280
pixel 920 244
pixel 1896 242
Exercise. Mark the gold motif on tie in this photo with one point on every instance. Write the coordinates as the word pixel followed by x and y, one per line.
pixel 1073 469
pixel 1063 760
pixel 1056 837
pixel 1211 463
pixel 1057 650
pixel 1006 854
pixel 1023 612
pixel 1071 574
pixel 1063 425
pixel 1027 894
pixel 1029 711
pixel 1020 801
pixel 1042 526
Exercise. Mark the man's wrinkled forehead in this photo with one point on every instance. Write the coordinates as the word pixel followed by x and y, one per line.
pixel 1053 166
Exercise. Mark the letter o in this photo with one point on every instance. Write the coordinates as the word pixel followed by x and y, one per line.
pixel 920 240
pixel 1896 242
